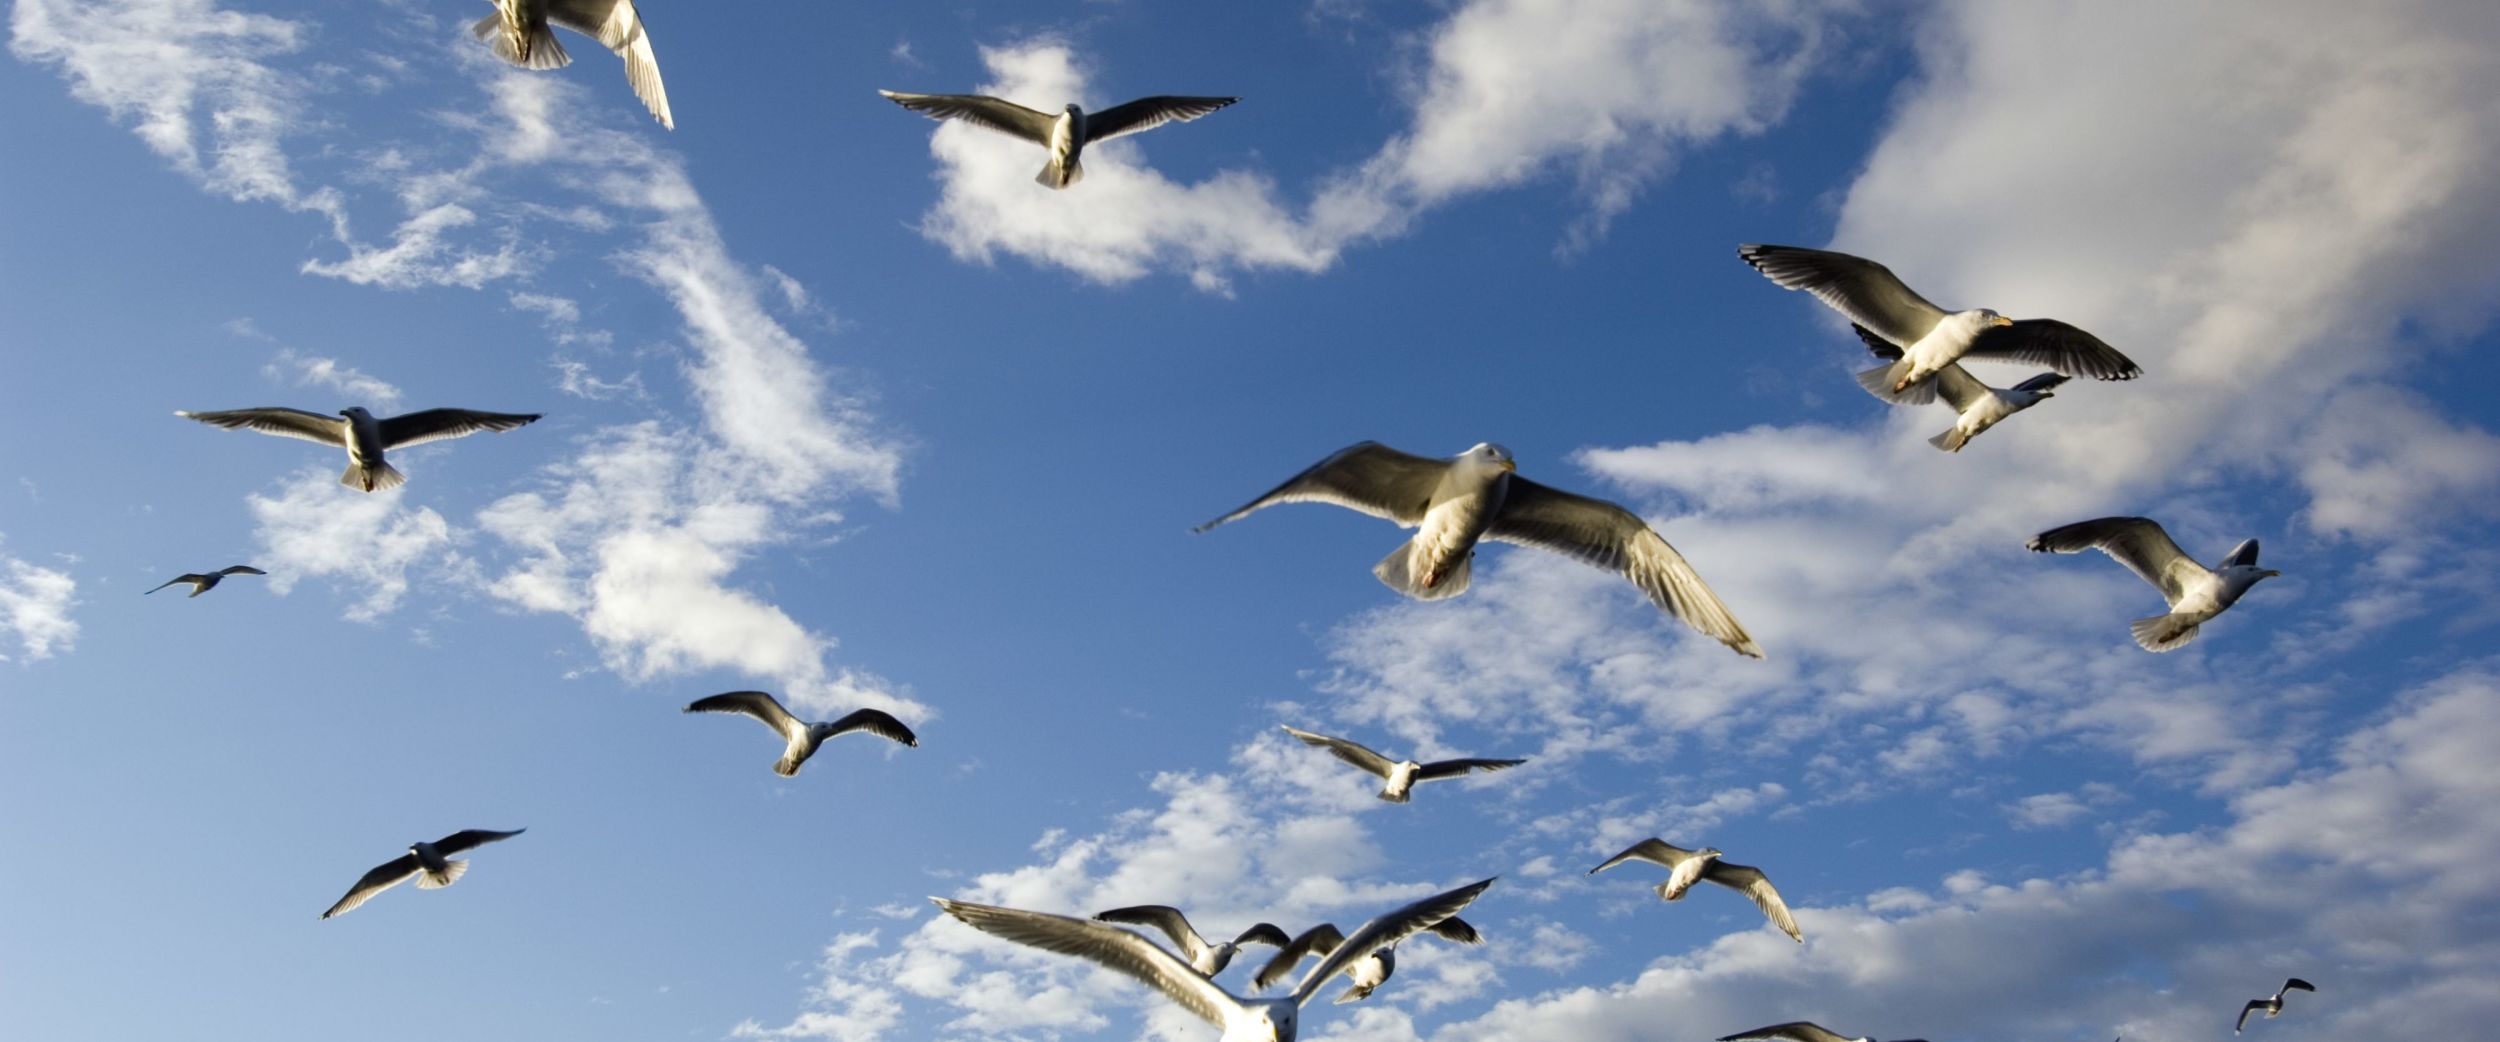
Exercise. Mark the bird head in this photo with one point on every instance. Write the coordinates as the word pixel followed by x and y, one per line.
pixel 1270 1020
pixel 1710 852
pixel 1072 109
pixel 356 412
pixel 1488 454
pixel 1989 317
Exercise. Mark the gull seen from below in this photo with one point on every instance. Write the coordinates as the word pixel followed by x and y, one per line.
pixel 1686 867
pixel 803 737
pixel 518 33
pixel 2196 594
pixel 363 435
pixel 1065 134
pixel 1206 958
pixel 1242 1019
pixel 202 583
pixel 1801 1031
pixel 1477 494
pixel 2273 1005
pixel 1402 775
pixel 1366 975
pixel 429 863
pixel 1976 406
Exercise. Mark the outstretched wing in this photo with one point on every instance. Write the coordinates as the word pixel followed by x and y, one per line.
pixel 1318 940
pixel 1385 931
pixel 1750 881
pixel 756 704
pixel 285 423
pixel 1920 393
pixel 2253 1006
pixel 2241 556
pixel 616 24
pixel 1440 769
pixel 417 428
pixel 1147 114
pixel 1869 293
pixel 2137 542
pixel 1165 918
pixel 980 110
pixel 2049 342
pixel 240 569
pixel 2294 984
pixel 877 722
pixel 1600 533
pixel 1793 1031
pixel 1268 934
pixel 388 874
pixel 1104 945
pixel 471 839
pixel 1654 851
pixel 1351 752
pixel 1370 477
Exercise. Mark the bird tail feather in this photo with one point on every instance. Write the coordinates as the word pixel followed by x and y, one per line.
pixel 545 52
pixel 1398 573
pixel 787 767
pixel 1950 441
pixel 1879 381
pixel 451 873
pixel 1397 797
pixel 2164 632
pixel 1356 993
pixel 372 477
pixel 1060 175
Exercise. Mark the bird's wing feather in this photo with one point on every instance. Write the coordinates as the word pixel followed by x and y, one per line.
pixel 2042 382
pixel 1869 293
pixel 1654 851
pixel 388 874
pixel 417 428
pixel 2243 555
pixel 1351 752
pixel 1370 477
pixel 1750 881
pixel 1147 114
pixel 2297 984
pixel 2253 1006
pixel 877 722
pixel 756 704
pixel 1268 934
pixel 2137 542
pixel 1793 1031
pixel 618 26
pixel 2055 344
pixel 283 422
pixel 1165 918
pixel 1456 929
pixel 980 110
pixel 240 569
pixel 1385 931
pixel 1959 388
pixel 471 839
pixel 1104 945
pixel 1600 533
pixel 1440 769
pixel 1318 940
pixel 184 578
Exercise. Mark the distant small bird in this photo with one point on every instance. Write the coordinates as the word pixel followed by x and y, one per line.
pixel 1401 775
pixel 1368 974
pixel 1800 1031
pixel 1065 134
pixel 203 583
pixel 1976 406
pixel 1929 336
pixel 1206 958
pixel 2196 594
pixel 364 436
pixel 1454 503
pixel 803 737
pixel 1685 867
pixel 2272 1006
pixel 429 863
pixel 518 33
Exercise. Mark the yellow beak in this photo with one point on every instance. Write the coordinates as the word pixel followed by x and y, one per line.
pixel 1510 467
pixel 2003 321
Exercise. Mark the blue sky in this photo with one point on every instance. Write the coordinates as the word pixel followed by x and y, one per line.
pixel 840 404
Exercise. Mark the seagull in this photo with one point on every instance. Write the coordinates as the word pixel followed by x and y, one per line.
pixel 803 737
pixel 1478 494
pixel 1685 867
pixel 430 863
pixel 1367 975
pixel 1065 134
pixel 518 33
pixel 1207 959
pixel 1243 1019
pixel 1402 775
pixel 1977 406
pixel 2273 1006
pixel 1801 1031
pixel 203 583
pixel 2196 594
pixel 363 435
pixel 1929 336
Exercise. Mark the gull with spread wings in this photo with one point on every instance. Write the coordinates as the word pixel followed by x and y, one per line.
pixel 2196 593
pixel 518 33
pixel 204 582
pixel 363 435
pixel 1402 775
pixel 1206 957
pixel 1367 975
pixel 1976 406
pixel 1065 134
pixel 803 737
pixel 2271 1006
pixel 1686 867
pixel 430 864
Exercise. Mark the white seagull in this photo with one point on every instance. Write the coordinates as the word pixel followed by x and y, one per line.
pixel 1686 867
pixel 1204 957
pixel 1366 975
pixel 2196 593
pixel 202 583
pixel 1976 406
pixel 1800 1031
pixel 2272 1006
pixel 1402 775
pixel 364 436
pixel 803 737
pixel 1477 494
pixel 1065 134
pixel 1929 336
pixel 1242 1019
pixel 429 863
pixel 518 33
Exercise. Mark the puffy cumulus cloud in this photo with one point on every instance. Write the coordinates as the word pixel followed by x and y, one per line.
pixel 371 543
pixel 34 610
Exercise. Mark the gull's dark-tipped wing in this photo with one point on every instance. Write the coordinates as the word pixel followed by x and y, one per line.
pixel 1456 929
pixel 1318 940
pixel 2241 556
pixel 1599 533
pixel 756 704
pixel 388 874
pixel 283 422
pixel 2294 984
pixel 1385 931
pixel 877 722
pixel 1869 293
pixel 1369 476
pixel 1655 851
pixel 1147 114
pixel 1440 769
pixel 471 839
pixel 2042 382
pixel 1268 934
pixel 240 569
pixel 1750 881
pixel 1104 945
pixel 1162 917
pixel 417 428
pixel 618 26
pixel 1351 752
pixel 2057 345
pixel 2137 542
pixel 980 110
pixel 188 577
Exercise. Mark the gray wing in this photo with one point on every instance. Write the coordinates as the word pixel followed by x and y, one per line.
pixel 1268 934
pixel 417 428
pixel 2294 984
pixel 1750 881
pixel 756 704
pixel 980 110
pixel 1385 931
pixel 471 839
pixel 2253 1006
pixel 2243 555
pixel 1654 851
pixel 1869 293
pixel 1318 940
pixel 877 722
pixel 1440 769
pixel 2137 542
pixel 2042 382
pixel 618 26
pixel 285 423
pixel 1600 533
pixel 1793 1031
pixel 388 874
pixel 1351 752
pixel 1147 114
pixel 1959 388
pixel 1165 918
pixel 1456 929
pixel 1920 393
pixel 245 569
pixel 1104 945
pixel 186 578
pixel 2049 342
pixel 1370 477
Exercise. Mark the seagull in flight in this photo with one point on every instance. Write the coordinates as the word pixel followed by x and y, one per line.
pixel 1976 406
pixel 1242 1019
pixel 430 864
pixel 1401 776
pixel 2272 1006
pixel 1801 1031
pixel 1208 959
pixel 803 737
pixel 363 435
pixel 1065 134
pixel 2196 593
pixel 1686 867
pixel 1453 503
pixel 1366 975
pixel 1929 336
pixel 518 33
pixel 202 583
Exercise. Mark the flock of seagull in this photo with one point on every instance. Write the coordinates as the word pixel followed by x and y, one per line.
pixel 1452 504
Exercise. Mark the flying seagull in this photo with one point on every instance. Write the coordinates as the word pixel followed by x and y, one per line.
pixel 1976 405
pixel 2196 594
pixel 1065 134
pixel 1478 494
pixel 803 737
pixel 1685 867
pixel 518 33
pixel 1366 975
pixel 203 583
pixel 1800 1031
pixel 364 436
pixel 430 863
pixel 1929 336
pixel 1243 1019
pixel 1208 959
pixel 2272 1006
pixel 1401 776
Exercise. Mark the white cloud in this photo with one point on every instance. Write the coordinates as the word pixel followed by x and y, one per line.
pixel 34 610
pixel 329 373
pixel 370 542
